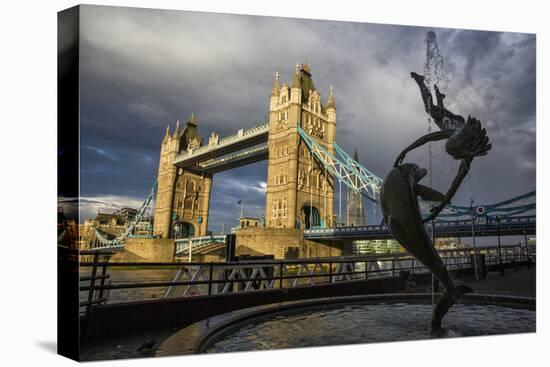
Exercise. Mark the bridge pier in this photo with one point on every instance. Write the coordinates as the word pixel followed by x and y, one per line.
pixel 286 243
pixel 146 250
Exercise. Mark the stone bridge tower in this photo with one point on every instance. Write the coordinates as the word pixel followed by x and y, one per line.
pixel 183 197
pixel 300 194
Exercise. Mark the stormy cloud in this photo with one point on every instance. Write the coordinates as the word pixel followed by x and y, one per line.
pixel 142 70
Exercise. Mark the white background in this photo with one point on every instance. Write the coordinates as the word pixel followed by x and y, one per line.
pixel 28 179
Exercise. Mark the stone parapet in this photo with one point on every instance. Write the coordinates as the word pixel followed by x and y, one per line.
pixel 283 243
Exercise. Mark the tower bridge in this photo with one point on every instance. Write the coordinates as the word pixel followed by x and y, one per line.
pixel 304 162
pixel 300 190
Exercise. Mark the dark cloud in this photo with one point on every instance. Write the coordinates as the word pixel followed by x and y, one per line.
pixel 144 69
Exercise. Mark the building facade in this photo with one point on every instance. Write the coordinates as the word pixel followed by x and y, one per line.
pixel 355 211
pixel 373 247
pixel 300 193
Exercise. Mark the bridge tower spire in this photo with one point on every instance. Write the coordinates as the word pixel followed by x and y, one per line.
pixel 300 192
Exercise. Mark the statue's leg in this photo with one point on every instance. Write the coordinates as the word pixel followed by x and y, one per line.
pixel 436 112
pixel 439 97
pixel 424 92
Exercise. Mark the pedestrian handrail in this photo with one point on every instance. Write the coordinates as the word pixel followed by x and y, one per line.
pixel 211 278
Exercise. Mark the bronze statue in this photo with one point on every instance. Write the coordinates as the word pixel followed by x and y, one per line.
pixel 399 202
pixel 466 140
pixel 401 188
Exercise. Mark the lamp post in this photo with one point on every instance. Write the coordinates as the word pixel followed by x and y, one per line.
pixel 474 238
pixel 242 206
pixel 527 249
pixel 497 220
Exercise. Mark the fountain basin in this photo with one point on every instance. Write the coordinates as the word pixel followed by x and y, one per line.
pixel 352 320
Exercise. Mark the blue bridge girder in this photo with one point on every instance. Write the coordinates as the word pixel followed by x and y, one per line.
pixel 457 228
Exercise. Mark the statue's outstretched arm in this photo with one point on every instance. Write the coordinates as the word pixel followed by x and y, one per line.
pixel 462 172
pixel 435 136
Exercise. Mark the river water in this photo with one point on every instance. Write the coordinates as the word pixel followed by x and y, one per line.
pixel 135 275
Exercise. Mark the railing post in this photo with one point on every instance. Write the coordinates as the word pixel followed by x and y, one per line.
pixel 92 285
pixel 280 274
pixel 393 266
pixel 210 274
pixel 330 271
pixel 102 281
pixel 366 269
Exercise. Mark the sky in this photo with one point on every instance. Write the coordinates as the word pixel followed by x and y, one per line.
pixel 143 69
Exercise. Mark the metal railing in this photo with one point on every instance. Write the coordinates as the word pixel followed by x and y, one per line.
pixel 193 279
pixel 183 244
pixel 96 283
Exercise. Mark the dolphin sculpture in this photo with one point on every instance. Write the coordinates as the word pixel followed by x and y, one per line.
pixel 399 202
pixel 466 139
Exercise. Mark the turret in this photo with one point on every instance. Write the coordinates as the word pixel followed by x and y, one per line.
pixel 330 101
pixel 190 138
pixel 274 93
pixel 177 130
pixel 331 114
pixel 296 89
pixel 166 135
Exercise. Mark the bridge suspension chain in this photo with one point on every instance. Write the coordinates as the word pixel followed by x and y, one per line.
pixel 117 242
pixel 345 168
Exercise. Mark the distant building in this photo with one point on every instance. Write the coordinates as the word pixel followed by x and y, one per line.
pixel 449 243
pixel 111 223
pixel 66 230
pixel 355 212
pixel 372 247
pixel 532 244
pixel 246 222
pixel 127 213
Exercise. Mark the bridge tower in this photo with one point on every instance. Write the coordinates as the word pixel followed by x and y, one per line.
pixel 300 193
pixel 183 197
